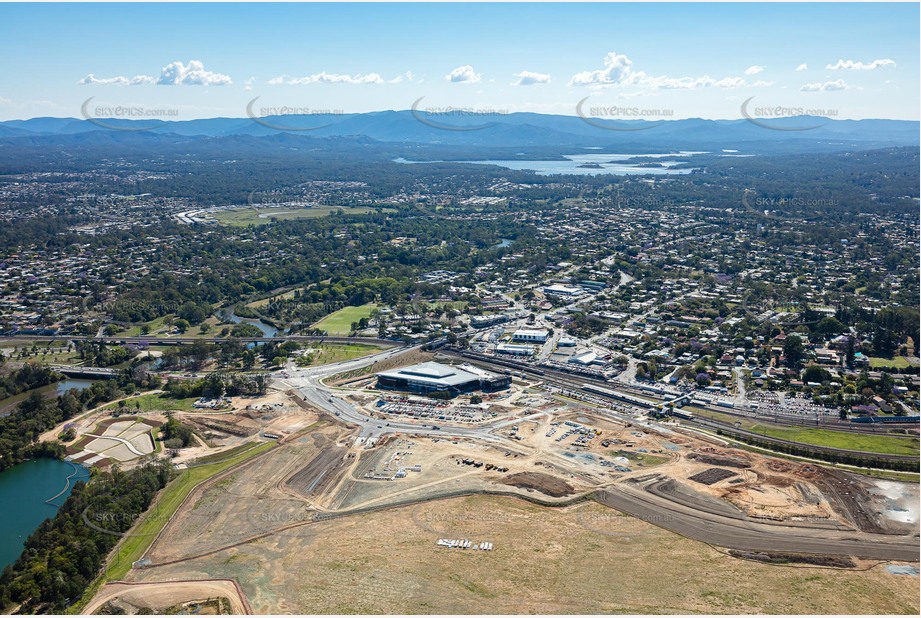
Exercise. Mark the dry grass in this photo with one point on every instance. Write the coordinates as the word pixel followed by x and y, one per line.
pixel 584 559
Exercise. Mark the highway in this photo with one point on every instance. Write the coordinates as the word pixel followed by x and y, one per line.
pixel 307 382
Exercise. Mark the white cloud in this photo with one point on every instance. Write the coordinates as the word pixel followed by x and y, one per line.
pixel 528 78
pixel 248 84
pixel 838 84
pixel 860 66
pixel 329 78
pixel 192 74
pixel 618 71
pixel 754 69
pixel 173 74
pixel 730 82
pixel 464 74
pixel 802 67
pixel 92 80
pixel 762 84
pixel 408 76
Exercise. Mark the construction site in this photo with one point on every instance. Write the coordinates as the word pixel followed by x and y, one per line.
pixel 345 517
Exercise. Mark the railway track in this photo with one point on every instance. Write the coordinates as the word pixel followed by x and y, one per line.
pixel 575 384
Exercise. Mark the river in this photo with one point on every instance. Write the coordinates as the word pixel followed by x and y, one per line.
pixel 267 330
pixel 24 489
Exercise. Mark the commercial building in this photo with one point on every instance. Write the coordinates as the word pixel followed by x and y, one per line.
pixel 569 291
pixel 515 350
pixel 536 335
pixel 431 376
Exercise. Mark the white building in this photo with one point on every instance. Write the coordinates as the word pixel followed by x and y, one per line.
pixel 517 350
pixel 563 290
pixel 535 335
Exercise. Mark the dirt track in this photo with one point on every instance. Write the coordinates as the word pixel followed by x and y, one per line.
pixel 160 595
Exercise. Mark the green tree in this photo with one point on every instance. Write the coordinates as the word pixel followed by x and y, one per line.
pixel 793 350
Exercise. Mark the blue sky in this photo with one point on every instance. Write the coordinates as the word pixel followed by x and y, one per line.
pixel 676 60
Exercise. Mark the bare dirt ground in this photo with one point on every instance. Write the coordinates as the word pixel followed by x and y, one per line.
pixel 162 595
pixel 274 525
pixel 582 559
pixel 544 483
pixel 248 502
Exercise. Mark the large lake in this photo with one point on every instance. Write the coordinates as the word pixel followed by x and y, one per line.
pixel 24 488
pixel 607 164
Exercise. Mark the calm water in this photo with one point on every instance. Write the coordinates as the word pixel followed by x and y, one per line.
pixel 267 331
pixel 23 491
pixel 608 164
pixel 66 385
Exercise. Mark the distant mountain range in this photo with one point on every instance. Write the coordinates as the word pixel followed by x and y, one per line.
pixel 801 133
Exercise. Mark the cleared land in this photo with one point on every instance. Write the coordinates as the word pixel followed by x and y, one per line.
pixel 168 501
pixel 340 322
pixel 170 596
pixel 585 559
pixel 248 216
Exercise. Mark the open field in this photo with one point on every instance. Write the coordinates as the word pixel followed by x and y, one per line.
pixel 328 353
pixel 340 322
pixel 841 439
pixel 134 544
pixel 582 559
pixel 872 443
pixel 249 216
pixel 899 362
pixel 155 402
pixel 139 538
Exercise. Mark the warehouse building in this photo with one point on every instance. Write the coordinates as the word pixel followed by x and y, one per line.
pixel 567 291
pixel 534 335
pixel 430 377
pixel 515 350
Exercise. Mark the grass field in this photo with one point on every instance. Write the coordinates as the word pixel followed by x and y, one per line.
pixel 154 325
pixel 339 323
pixel 156 402
pixel 820 437
pixel 843 439
pixel 242 217
pixel 899 362
pixel 135 544
pixel 644 460
pixel 328 353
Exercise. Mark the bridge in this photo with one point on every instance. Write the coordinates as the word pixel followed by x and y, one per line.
pixel 99 373
pixel 188 340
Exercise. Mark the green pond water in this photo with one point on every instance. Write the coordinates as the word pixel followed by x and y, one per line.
pixel 24 488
